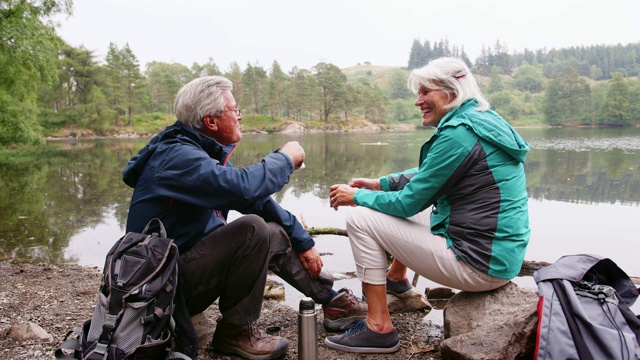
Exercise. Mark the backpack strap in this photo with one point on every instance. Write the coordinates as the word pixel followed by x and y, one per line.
pixel 174 355
pixel 578 340
pixel 630 317
pixel 70 344
pixel 163 232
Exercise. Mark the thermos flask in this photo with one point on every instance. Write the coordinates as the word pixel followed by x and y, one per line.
pixel 307 337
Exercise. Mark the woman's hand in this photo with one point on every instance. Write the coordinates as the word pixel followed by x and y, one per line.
pixel 371 184
pixel 341 195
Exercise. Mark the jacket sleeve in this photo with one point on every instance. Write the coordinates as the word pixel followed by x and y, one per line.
pixel 187 173
pixel 425 185
pixel 397 181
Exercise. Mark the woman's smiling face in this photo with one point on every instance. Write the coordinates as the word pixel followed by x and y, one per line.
pixel 432 105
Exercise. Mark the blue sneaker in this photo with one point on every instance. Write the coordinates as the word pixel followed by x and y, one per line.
pixel 360 339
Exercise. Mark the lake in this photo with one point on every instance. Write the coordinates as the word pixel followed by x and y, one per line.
pixel 70 204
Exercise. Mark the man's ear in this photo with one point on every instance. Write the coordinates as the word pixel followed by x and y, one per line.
pixel 209 121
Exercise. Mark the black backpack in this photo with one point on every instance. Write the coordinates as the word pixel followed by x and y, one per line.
pixel 584 310
pixel 133 317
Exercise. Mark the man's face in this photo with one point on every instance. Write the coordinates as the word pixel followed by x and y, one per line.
pixel 225 128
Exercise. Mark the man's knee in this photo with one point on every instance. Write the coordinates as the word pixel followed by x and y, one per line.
pixel 253 232
pixel 278 238
pixel 253 225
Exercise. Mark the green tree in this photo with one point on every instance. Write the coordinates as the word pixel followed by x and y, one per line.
pixel 567 98
pixel 615 110
pixel 352 99
pixel 553 106
pixel 529 78
pixel 234 73
pixel 635 101
pixel 124 75
pixel 400 111
pixel 398 86
pixel 507 104
pixel 304 93
pixel 495 81
pixel 208 69
pixel 254 81
pixel 277 82
pixel 374 102
pixel 502 59
pixel 418 56
pixel 28 47
pixel 332 82
pixel 68 101
pixel 163 82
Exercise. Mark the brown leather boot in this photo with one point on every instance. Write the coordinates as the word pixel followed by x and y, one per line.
pixel 343 311
pixel 247 341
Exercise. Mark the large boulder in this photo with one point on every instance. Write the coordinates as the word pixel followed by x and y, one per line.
pixel 498 324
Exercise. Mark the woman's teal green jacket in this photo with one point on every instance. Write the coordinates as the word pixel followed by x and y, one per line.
pixel 471 171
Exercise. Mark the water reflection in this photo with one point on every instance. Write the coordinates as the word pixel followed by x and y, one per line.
pixel 68 202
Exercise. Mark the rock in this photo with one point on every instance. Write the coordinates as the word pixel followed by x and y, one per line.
pixel 204 329
pixel 294 127
pixel 274 290
pixel 439 293
pixel 499 324
pixel 29 331
pixel 410 301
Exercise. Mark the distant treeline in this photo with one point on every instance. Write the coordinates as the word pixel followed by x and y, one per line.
pixel 47 84
pixel 589 85
pixel 597 62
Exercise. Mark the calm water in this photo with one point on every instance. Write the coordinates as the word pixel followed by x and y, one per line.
pixel 70 205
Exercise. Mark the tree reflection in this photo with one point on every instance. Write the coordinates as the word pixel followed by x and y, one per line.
pixel 52 194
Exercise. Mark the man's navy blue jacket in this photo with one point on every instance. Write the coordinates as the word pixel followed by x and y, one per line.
pixel 185 179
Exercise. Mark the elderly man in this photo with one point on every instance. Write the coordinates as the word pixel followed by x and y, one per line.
pixel 183 176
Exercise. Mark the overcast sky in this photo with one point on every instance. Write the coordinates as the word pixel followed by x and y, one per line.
pixel 303 33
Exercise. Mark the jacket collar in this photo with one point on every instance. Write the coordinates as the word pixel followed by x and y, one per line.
pixel 209 145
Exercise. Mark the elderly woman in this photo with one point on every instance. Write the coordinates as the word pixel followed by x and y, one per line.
pixel 459 219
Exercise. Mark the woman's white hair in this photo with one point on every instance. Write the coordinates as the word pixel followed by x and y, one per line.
pixel 451 75
pixel 200 97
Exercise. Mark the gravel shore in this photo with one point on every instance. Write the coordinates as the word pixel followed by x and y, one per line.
pixel 60 298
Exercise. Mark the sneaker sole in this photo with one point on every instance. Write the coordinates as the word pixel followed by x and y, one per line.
pixel 279 352
pixel 362 350
pixel 341 324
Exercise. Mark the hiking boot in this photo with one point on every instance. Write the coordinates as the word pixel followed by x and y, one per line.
pixel 360 339
pixel 344 310
pixel 402 297
pixel 247 341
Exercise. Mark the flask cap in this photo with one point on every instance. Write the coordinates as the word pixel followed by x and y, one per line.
pixel 307 304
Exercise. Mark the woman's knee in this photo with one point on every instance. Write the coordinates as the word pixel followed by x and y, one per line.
pixel 359 219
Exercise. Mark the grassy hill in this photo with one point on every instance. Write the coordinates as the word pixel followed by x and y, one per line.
pixel 379 75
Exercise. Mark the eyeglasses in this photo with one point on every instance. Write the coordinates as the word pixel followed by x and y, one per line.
pixel 236 109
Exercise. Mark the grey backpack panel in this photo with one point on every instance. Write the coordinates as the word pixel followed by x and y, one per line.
pixel 603 325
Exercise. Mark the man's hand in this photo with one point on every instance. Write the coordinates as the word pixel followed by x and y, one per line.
pixel 311 261
pixel 295 153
